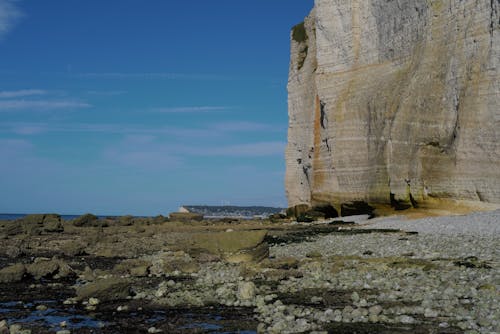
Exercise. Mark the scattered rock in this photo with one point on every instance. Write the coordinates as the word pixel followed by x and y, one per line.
pixel 4 329
pixel 430 313
pixel 185 217
pixel 246 290
pixel 105 289
pixel 134 267
pixel 314 255
pixel 74 248
pixel 375 310
pixel 85 220
pixel 17 329
pixel 281 263
pixel 406 319
pixel 43 267
pixel 13 273
pixel 53 225
pixel 235 247
pixel 93 301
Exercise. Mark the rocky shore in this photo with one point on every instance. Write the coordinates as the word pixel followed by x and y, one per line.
pixel 155 275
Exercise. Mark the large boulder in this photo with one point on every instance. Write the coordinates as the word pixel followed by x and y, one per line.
pixel 37 224
pixel 234 246
pixel 133 267
pixel 106 289
pixel 85 220
pixel 46 268
pixel 13 273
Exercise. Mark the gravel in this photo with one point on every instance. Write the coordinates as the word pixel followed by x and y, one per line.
pixel 446 275
pixel 479 223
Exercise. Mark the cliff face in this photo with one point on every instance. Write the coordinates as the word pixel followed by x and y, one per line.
pixel 395 99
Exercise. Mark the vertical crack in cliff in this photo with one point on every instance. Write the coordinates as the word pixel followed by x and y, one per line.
pixel 494 13
pixel 318 178
pixel 324 119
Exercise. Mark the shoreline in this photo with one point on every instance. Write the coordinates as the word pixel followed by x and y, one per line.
pixel 388 274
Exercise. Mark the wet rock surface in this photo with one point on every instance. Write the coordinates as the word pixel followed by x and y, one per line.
pixel 333 276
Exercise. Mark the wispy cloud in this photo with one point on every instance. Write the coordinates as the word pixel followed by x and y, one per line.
pixel 22 93
pixel 214 130
pixel 148 153
pixel 107 93
pixel 246 126
pixel 14 145
pixel 193 109
pixel 258 149
pixel 11 105
pixel 121 129
pixel 9 15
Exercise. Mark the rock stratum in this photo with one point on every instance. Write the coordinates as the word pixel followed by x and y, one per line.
pixel 395 102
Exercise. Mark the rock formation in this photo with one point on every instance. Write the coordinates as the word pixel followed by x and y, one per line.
pixel 395 102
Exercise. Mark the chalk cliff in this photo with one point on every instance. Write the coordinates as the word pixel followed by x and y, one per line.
pixel 395 101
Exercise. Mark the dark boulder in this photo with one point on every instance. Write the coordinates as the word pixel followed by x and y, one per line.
pixel 106 289
pixel 37 224
pixel 85 220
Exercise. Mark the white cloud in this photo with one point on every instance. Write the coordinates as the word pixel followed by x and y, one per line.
pixel 22 93
pixel 10 145
pixel 28 129
pixel 217 130
pixel 9 105
pixel 9 15
pixel 237 126
pixel 194 109
pixel 259 149
pixel 107 93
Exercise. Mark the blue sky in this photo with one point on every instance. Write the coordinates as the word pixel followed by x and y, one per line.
pixel 137 107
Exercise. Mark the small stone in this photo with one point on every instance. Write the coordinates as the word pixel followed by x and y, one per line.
pixel 63 331
pixel 154 330
pixel 316 299
pixel 406 319
pixel 70 301
pixel 356 314
pixel 355 297
pixel 41 308
pixel 93 301
pixel 430 313
pixel 63 324
pixel 373 318
pixel 314 255
pixel 375 310
pixel 17 329
pixel 4 329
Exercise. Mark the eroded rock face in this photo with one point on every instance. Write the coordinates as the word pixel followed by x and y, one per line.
pixel 389 99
